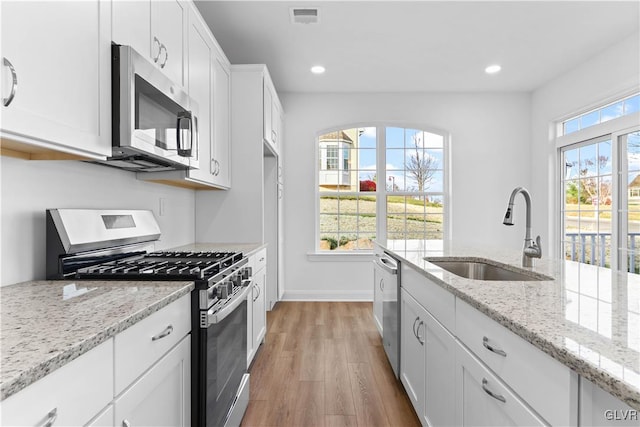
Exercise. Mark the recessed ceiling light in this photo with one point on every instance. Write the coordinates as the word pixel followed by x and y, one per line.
pixel 317 69
pixel 492 69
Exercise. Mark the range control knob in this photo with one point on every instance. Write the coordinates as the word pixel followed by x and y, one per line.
pixel 246 273
pixel 222 290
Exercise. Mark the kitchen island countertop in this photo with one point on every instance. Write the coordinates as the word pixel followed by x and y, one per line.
pixel 47 324
pixel 586 317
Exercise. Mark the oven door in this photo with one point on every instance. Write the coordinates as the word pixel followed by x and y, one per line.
pixel 221 375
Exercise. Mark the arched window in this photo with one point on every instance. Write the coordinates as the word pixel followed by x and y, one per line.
pixel 381 182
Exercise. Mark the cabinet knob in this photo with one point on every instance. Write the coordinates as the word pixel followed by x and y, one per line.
pixel 126 423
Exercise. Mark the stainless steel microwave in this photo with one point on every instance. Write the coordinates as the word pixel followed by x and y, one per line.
pixel 155 123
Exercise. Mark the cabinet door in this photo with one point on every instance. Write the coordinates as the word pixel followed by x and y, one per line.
pixel 59 53
pixel 222 121
pixel 412 353
pixel 440 374
pixel 162 396
pixel 378 290
pixel 72 395
pixel 259 310
pixel 484 400
pixel 168 23
pixel 200 61
pixel 599 408
pixel 251 350
pixel 132 27
pixel 268 111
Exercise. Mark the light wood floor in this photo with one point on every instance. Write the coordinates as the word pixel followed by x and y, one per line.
pixel 323 364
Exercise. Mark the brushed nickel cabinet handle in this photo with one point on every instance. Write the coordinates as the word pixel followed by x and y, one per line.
pixel 166 55
pixel 163 334
pixel 382 285
pixel 492 394
pixel 415 334
pixel 420 338
pixel 485 343
pixel 51 417
pixel 14 82
pixel 257 288
pixel 156 41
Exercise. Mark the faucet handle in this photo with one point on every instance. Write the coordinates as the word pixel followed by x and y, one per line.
pixel 539 247
pixel 535 249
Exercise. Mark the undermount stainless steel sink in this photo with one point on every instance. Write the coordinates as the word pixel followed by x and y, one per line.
pixel 479 270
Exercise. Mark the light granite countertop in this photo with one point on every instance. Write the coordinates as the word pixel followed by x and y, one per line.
pixel 43 326
pixel 587 317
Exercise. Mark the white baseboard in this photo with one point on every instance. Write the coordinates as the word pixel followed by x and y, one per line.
pixel 333 295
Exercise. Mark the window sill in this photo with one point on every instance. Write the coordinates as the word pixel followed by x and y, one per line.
pixel 340 257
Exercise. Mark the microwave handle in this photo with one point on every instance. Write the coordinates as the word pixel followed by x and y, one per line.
pixel 195 136
pixel 184 115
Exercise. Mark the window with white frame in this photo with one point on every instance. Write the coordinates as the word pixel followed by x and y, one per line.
pixel 600 186
pixel 390 186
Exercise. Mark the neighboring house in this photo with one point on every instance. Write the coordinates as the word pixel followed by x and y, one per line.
pixel 338 152
pixel 634 188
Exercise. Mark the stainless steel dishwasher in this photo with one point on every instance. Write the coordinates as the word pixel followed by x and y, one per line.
pixel 388 270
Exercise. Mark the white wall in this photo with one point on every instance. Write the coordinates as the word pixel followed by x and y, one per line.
pixel 607 76
pixel 31 187
pixel 490 148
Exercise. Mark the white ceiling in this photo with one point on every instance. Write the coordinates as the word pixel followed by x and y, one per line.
pixel 418 46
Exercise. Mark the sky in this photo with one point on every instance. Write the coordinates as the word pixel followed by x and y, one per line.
pixel 400 145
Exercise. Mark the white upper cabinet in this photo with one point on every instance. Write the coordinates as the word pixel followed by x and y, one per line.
pixel 156 29
pixel 200 84
pixel 272 114
pixel 222 121
pixel 56 79
pixel 208 82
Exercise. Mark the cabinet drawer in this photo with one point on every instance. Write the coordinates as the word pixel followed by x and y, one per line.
pixel 547 385
pixel 76 392
pixel 484 400
pixel 136 349
pixel 439 302
pixel 259 260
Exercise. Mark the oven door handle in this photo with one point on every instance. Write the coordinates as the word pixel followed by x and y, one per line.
pixel 220 315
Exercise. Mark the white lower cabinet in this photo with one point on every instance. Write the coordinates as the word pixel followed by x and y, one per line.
pixel 256 309
pixel 161 396
pixel 483 400
pixel 141 377
pixel 599 408
pixel 71 395
pixel 378 296
pixel 427 368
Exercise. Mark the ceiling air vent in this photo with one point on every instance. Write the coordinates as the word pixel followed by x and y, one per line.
pixel 304 15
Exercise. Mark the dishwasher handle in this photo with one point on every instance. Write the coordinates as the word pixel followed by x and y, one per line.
pixel 387 264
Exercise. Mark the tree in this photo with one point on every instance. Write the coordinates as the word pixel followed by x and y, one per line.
pixel 592 191
pixel 422 167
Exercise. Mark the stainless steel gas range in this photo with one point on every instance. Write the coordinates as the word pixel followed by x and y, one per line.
pixel 87 244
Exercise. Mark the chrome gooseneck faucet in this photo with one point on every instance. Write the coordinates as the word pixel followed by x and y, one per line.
pixel 531 249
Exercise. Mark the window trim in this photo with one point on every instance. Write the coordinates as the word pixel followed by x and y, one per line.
pixel 320 255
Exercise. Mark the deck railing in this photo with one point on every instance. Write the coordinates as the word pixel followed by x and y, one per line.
pixel 599 241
